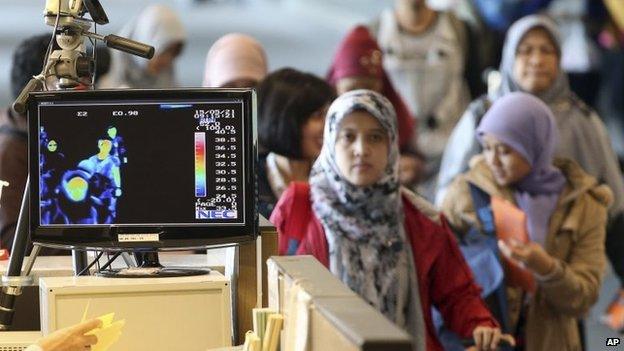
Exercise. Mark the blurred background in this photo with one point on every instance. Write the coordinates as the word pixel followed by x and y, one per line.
pixel 297 33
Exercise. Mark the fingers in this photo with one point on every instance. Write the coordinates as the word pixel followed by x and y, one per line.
pixel 87 326
pixel 477 334
pixel 514 250
pixel 504 249
pixel 90 340
pixel 509 339
pixel 496 336
pixel 486 339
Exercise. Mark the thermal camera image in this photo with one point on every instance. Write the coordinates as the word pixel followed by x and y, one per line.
pixel 108 163
pixel 118 148
pixel 87 189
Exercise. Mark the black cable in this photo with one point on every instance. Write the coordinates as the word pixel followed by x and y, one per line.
pixel 110 261
pixel 97 264
pixel 94 53
pixel 91 264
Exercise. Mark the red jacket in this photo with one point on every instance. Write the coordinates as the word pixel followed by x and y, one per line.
pixel 444 279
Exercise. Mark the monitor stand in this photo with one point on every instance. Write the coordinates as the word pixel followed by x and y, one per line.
pixel 148 266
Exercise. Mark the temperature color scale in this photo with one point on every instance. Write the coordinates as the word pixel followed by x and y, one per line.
pixel 200 164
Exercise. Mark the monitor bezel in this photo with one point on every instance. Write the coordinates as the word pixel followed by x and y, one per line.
pixel 170 237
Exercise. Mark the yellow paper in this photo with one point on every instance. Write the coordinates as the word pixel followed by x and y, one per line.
pixel 109 333
pixel 107 336
pixel 107 319
pixel 84 314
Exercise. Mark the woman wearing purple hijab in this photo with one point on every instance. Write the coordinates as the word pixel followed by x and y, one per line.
pixel 566 212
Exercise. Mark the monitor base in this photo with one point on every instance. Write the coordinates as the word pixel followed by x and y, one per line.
pixel 149 267
pixel 152 272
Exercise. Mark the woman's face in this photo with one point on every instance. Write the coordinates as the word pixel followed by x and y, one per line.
pixel 52 146
pixel 506 164
pixel 164 60
pixel 312 134
pixel 358 82
pixel 537 63
pixel 361 149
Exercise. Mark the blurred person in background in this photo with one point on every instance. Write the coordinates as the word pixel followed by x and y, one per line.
pixel 358 64
pixel 102 66
pixel 580 56
pixel 291 116
pixel 428 58
pixel 160 27
pixel 235 61
pixel 496 16
pixel 532 63
pixel 611 40
pixel 28 58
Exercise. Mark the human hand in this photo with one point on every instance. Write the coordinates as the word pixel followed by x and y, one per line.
pixel 71 338
pixel 488 338
pixel 530 255
pixel 411 169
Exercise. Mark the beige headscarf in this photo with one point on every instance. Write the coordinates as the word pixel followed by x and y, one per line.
pixel 156 25
pixel 234 56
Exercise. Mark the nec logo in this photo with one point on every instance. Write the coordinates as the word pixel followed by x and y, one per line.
pixel 613 341
pixel 215 214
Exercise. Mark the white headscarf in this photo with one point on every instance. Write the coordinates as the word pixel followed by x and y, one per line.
pixel 158 26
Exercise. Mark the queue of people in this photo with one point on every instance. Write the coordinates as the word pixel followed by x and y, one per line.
pixel 350 166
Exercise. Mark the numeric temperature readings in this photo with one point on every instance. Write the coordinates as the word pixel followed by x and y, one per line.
pixel 125 113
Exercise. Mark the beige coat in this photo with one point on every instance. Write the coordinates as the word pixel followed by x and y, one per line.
pixel 575 238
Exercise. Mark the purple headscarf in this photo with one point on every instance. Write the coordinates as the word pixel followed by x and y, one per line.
pixel 526 124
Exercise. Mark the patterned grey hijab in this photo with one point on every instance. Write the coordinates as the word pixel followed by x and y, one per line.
pixel 364 225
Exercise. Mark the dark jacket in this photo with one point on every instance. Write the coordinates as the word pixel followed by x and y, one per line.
pixel 14 170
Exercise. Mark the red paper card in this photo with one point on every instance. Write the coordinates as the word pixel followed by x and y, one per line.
pixel 510 223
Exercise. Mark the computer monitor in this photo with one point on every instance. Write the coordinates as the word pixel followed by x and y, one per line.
pixel 142 169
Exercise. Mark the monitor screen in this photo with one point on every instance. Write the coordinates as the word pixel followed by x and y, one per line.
pixel 142 168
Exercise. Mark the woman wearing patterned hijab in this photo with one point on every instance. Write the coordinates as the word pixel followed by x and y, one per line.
pixel 565 211
pixel 381 240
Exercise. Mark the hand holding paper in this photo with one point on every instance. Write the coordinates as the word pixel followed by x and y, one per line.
pixel 530 255
pixel 108 333
pixel 74 338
